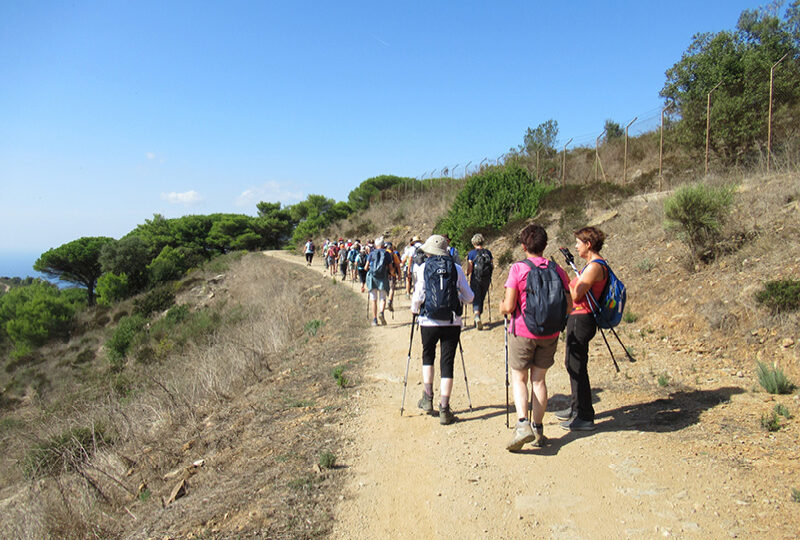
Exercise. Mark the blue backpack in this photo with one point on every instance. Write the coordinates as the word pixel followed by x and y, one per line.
pixel 441 289
pixel 545 300
pixel 611 301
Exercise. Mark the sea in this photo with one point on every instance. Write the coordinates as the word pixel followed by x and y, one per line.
pixel 17 264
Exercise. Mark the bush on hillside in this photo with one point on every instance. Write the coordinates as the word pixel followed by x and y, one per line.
pixel 780 295
pixel 157 299
pixel 122 338
pixel 489 200
pixel 697 212
pixel 112 288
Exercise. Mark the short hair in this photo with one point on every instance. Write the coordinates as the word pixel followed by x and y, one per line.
pixel 477 239
pixel 379 242
pixel 534 238
pixel 593 236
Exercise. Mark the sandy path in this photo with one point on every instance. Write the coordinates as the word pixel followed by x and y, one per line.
pixel 410 477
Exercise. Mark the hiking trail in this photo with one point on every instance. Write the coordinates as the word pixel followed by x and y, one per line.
pixel 634 477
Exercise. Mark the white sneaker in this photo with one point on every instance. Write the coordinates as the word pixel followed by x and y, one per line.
pixel 478 322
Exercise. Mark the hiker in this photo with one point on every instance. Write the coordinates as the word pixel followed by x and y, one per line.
pixel 352 256
pixel 309 251
pixel 452 251
pixel 441 288
pixel 361 262
pixel 581 328
pixel 415 257
pixel 333 251
pixel 408 252
pixel 377 281
pixel 325 252
pixel 530 354
pixel 480 266
pixel 394 272
pixel 344 252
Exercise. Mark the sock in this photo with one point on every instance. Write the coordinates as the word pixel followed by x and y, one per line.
pixel 428 389
pixel 445 402
pixel 539 428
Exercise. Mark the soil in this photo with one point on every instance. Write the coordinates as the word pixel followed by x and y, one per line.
pixel 678 450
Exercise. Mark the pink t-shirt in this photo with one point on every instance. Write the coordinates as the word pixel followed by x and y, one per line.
pixel 517 277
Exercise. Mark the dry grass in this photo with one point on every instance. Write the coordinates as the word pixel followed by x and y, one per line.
pixel 254 400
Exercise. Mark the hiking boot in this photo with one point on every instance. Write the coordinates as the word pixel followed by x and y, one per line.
pixel 374 322
pixel 539 440
pixel 522 434
pixel 478 323
pixel 446 416
pixel 565 414
pixel 578 424
pixel 426 403
pixel 382 318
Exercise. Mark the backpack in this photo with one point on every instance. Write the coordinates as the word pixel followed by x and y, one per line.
pixel 482 266
pixel 611 301
pixel 441 289
pixel 361 260
pixel 545 302
pixel 380 268
pixel 419 257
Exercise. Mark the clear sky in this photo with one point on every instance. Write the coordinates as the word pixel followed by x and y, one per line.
pixel 111 111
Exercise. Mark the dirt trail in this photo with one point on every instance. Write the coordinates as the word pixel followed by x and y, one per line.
pixel 413 478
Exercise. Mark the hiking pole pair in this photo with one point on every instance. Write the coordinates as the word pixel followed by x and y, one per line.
pixel 505 335
pixel 595 308
pixel 408 361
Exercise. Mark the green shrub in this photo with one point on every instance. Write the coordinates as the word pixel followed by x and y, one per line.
pixel 327 460
pixel 312 327
pixel 123 337
pixel 769 421
pixel 158 299
pixel 773 380
pixel 630 317
pixel 782 410
pixel 796 495
pixel 697 212
pixel 489 200
pixel 33 314
pixel 646 265
pixel 780 295
pixel 111 288
pixel 338 375
pixel 62 452
pixel 663 380
pixel 177 314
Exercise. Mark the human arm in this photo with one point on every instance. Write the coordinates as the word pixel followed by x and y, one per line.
pixel 591 274
pixel 419 289
pixel 465 292
pixel 509 302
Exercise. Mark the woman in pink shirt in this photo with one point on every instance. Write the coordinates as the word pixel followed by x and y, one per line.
pixel 530 354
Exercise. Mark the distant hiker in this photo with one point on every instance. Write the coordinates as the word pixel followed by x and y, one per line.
pixel 452 251
pixel 441 288
pixel 333 252
pixel 377 267
pixel 325 252
pixel 352 255
pixel 480 266
pixel 361 262
pixel 309 251
pixel 416 256
pixel 408 252
pixel 343 254
pixel 581 328
pixel 394 273
pixel 537 295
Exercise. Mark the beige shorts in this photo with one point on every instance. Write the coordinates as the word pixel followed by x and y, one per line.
pixel 525 353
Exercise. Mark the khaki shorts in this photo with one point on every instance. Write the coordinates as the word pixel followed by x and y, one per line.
pixel 525 353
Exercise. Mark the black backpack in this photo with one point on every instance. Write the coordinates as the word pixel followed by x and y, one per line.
pixel 545 302
pixel 380 268
pixel 418 257
pixel 441 289
pixel 482 267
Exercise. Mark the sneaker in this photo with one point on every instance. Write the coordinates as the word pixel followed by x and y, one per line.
pixel 578 424
pixel 390 307
pixel 522 434
pixel 374 322
pixel 382 318
pixel 565 414
pixel 478 322
pixel 446 416
pixel 426 403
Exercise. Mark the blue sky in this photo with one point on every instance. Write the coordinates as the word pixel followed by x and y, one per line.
pixel 112 111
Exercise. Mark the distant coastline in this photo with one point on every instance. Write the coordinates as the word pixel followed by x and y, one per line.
pixel 21 265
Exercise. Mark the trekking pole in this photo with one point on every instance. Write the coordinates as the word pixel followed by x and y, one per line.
pixel 489 294
pixel 464 367
pixel 505 334
pixel 408 361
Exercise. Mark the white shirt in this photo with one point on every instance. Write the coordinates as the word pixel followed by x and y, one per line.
pixel 465 295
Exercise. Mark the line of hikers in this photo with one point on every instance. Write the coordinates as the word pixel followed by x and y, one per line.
pixel 539 303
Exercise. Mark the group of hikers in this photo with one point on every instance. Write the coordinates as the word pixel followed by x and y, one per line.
pixel 539 303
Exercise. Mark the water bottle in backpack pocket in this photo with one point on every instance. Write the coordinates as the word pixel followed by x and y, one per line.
pixel 545 300
pixel 441 289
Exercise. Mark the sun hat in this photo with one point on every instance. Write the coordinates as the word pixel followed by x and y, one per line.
pixel 436 244
pixel 415 239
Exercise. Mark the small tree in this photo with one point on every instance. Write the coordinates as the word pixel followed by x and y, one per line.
pixel 697 212
pixel 77 262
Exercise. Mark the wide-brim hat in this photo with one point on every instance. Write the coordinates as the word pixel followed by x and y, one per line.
pixel 415 239
pixel 436 244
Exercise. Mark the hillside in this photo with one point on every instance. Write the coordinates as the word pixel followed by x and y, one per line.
pixel 274 406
